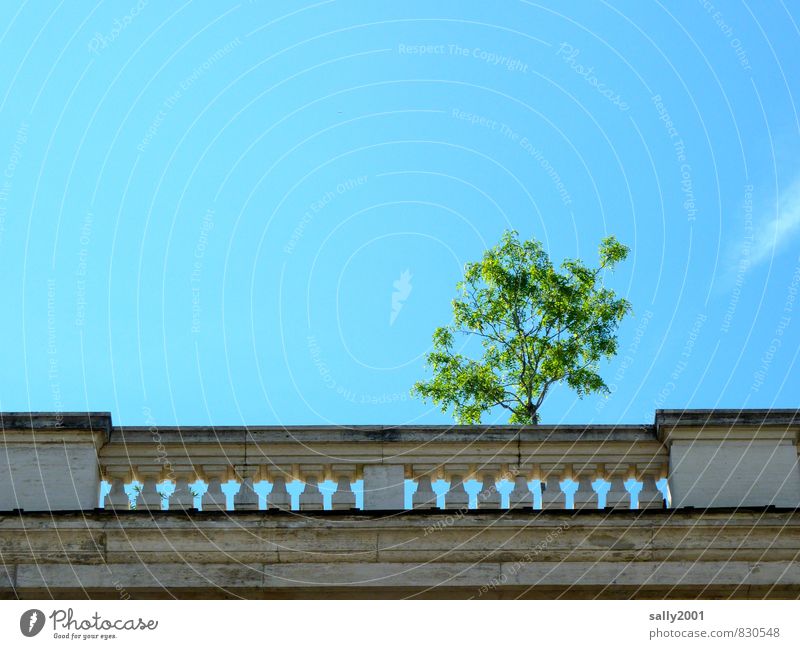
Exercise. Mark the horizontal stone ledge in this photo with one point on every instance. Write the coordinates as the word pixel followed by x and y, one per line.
pixel 45 420
pixel 728 416
pixel 412 538
pixel 728 425
pixel 389 434
pixel 759 423
pixel 613 552
pixel 417 517
pixel 180 450
pixel 485 575
pixel 617 592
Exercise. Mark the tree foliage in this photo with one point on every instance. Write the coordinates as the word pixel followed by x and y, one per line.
pixel 538 326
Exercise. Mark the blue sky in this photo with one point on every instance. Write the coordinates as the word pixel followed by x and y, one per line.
pixel 256 212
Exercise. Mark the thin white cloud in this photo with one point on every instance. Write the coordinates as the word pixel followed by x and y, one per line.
pixel 774 233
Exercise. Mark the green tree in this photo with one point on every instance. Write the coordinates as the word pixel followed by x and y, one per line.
pixel 538 326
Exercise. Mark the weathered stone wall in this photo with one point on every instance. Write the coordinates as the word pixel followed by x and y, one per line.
pixel 688 553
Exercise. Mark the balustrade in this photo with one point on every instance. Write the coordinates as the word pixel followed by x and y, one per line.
pixel 694 458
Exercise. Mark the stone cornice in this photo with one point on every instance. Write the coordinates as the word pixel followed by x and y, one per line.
pixel 665 553
pixel 728 425
pixel 614 449
pixel 55 428
pixel 322 452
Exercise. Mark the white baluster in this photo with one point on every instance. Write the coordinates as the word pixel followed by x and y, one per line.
pixel 489 497
pixel 521 497
pixel 247 498
pixel 150 498
pixel 182 498
pixel 424 497
pixel 651 496
pixel 117 498
pixel 585 497
pixel 214 499
pixel 552 497
pixel 457 497
pixel 280 498
pixel 312 496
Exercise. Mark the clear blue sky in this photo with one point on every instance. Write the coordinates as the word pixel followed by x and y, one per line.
pixel 256 212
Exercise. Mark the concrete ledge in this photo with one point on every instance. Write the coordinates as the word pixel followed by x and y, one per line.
pixel 729 416
pixel 668 553
pixel 750 424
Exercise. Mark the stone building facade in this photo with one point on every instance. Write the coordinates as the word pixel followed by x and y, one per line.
pixel 700 503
